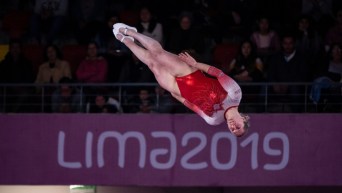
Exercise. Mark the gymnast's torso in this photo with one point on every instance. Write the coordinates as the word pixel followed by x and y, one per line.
pixel 209 94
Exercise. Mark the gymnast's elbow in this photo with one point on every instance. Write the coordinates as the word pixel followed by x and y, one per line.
pixel 212 121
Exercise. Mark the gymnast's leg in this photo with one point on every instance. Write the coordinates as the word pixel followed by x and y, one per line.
pixel 161 73
pixel 147 42
pixel 141 53
pixel 161 58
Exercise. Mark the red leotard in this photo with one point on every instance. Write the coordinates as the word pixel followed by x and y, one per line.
pixel 202 91
pixel 209 97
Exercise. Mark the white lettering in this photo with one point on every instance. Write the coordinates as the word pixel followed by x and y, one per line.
pixel 276 152
pixel 163 151
pixel 88 152
pixel 195 151
pixel 253 139
pixel 61 162
pixel 233 152
pixel 172 151
pixel 122 142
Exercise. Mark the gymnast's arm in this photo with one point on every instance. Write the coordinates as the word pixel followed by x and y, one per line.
pixel 228 84
pixel 195 109
pixel 211 70
pixel 185 57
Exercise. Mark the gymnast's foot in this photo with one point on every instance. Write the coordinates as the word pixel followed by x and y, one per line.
pixel 123 38
pixel 122 28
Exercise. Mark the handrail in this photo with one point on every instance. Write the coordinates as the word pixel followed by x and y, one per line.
pixel 264 99
pixel 155 84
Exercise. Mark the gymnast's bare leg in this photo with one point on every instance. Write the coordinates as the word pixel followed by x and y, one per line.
pixel 165 65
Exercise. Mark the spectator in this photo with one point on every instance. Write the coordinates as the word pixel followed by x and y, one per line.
pixel 115 52
pixel 320 11
pixel 240 16
pixel 93 69
pixel 143 103
pixel 87 16
pixel 108 44
pixel 67 98
pixel 333 35
pixel 265 39
pixel 103 104
pixel 285 67
pixel 317 9
pixel 134 71
pixel 47 20
pixel 248 67
pixel 309 42
pixel 149 26
pixel 331 74
pixel 164 101
pixel 54 67
pixel 113 100
pixel 16 68
pixel 51 71
pixel 185 37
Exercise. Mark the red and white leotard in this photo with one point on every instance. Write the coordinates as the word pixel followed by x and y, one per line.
pixel 209 97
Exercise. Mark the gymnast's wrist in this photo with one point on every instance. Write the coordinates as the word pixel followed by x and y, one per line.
pixel 214 71
pixel 194 64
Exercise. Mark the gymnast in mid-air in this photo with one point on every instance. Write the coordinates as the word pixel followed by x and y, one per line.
pixel 204 89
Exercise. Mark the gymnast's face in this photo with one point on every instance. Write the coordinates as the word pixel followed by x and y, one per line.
pixel 236 126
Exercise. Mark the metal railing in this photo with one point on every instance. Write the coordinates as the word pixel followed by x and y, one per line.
pixel 257 98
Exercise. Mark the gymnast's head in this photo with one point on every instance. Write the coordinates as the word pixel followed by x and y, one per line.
pixel 238 124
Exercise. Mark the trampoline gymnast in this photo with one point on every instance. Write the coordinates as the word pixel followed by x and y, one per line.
pixel 215 98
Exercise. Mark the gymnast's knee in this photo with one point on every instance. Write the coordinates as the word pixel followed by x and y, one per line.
pixel 156 48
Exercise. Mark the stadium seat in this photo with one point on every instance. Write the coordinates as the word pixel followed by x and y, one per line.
pixel 35 53
pixel 74 54
pixel 16 23
pixel 224 53
pixel 129 17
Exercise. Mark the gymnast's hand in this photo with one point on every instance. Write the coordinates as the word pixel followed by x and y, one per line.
pixel 185 57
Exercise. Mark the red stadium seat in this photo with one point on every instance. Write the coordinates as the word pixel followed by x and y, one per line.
pixel 224 53
pixel 16 23
pixel 129 17
pixel 35 53
pixel 74 54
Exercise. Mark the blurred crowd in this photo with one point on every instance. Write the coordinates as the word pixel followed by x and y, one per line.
pixel 63 42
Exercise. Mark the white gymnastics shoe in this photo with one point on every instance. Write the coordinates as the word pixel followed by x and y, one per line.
pixel 117 26
pixel 124 37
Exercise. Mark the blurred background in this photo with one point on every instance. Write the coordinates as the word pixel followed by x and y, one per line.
pixel 61 56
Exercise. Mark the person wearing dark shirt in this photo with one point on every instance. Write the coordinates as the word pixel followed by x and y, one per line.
pixel 185 36
pixel 16 68
pixel 134 71
pixel 101 104
pixel 142 103
pixel 325 88
pixel 115 52
pixel 288 66
pixel 67 98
